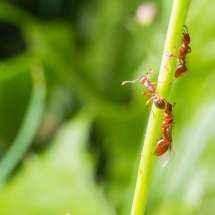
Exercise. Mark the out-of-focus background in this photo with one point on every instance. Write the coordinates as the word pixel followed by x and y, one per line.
pixel 70 135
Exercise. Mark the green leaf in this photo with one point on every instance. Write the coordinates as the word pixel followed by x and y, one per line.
pixel 28 128
pixel 58 182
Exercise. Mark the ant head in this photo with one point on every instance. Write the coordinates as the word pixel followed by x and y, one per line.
pixel 142 79
pixel 186 36
pixel 159 102
pixel 180 69
pixel 173 105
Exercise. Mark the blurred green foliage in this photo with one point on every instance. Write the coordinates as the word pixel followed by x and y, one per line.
pixel 84 155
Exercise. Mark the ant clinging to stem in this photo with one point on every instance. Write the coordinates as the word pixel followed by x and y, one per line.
pixel 183 51
pixel 165 142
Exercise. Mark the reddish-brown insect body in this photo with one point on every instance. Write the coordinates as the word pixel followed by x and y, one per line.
pixel 167 132
pixel 168 109
pixel 158 101
pixel 186 36
pixel 180 69
pixel 184 50
pixel 166 129
pixel 167 121
pixel 150 86
pixel 162 146
pixel 144 80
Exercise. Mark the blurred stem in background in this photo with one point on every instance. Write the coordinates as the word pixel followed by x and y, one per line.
pixel 29 125
pixel 166 76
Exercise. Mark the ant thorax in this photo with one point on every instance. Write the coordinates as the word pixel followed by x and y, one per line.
pixel 143 79
pixel 150 86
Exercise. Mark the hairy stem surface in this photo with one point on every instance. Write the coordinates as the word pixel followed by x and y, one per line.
pixel 165 78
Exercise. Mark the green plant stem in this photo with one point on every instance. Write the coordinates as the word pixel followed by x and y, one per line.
pixel 29 125
pixel 165 78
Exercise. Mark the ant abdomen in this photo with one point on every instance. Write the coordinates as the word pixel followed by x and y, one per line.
pixel 162 146
pixel 180 69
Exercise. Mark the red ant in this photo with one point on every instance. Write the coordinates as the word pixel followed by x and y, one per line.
pixel 167 121
pixel 184 50
pixel 145 80
pixel 165 142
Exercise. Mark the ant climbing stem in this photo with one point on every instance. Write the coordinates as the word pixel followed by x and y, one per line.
pixel 144 80
pixel 183 51
pixel 165 143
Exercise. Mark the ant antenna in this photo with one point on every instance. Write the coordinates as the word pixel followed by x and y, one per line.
pixel 129 82
pixel 185 28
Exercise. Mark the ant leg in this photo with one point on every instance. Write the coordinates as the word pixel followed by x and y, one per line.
pixel 185 28
pixel 153 113
pixel 189 49
pixel 168 57
pixel 147 94
pixel 172 55
pixel 172 150
pixel 181 61
pixel 149 100
pixel 173 104
pixel 154 83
